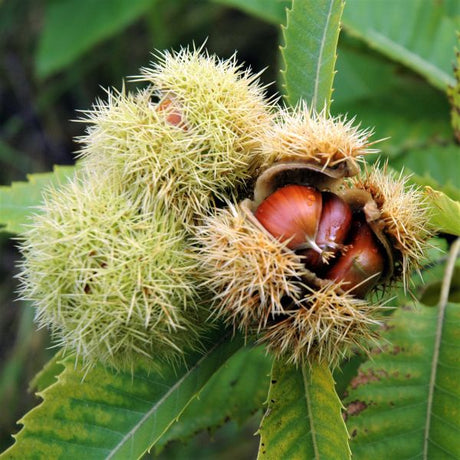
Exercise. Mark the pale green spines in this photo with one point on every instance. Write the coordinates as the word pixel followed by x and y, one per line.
pixel 107 262
pixel 130 143
pixel 221 102
pixel 189 137
pixel 113 285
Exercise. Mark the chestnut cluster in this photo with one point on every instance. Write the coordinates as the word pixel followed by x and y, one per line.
pixel 333 241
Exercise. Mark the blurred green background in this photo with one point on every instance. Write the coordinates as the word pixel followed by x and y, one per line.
pixel 57 56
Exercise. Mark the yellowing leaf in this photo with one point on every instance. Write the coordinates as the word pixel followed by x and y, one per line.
pixel 303 419
pixel 103 414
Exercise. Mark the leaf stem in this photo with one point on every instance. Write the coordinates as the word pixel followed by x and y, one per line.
pixel 454 252
pixel 443 300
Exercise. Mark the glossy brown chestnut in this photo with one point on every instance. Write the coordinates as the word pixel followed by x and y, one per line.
pixel 361 264
pixel 333 228
pixel 292 213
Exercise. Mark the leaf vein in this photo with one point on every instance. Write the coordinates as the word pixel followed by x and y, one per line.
pixel 320 54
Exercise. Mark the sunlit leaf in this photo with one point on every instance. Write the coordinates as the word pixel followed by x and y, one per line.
pixel 103 414
pixel 405 402
pixel 48 374
pixel 309 51
pixel 445 213
pixel 303 418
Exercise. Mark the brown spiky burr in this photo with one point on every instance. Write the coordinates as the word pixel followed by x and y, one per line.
pixel 400 213
pixel 262 283
pixel 300 134
pixel 297 272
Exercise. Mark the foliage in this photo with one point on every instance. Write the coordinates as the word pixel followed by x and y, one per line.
pixel 310 57
pixel 294 396
pixel 62 41
pixel 410 388
pixel 393 71
pixel 21 199
pixel 446 212
pixel 114 415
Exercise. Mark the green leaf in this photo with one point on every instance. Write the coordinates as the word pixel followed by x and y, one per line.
pixel 102 414
pixel 438 164
pixel 431 271
pixel 48 374
pixel 303 419
pixel 388 403
pixel 17 201
pixel 420 34
pixel 427 181
pixel 72 27
pixel 417 33
pixel 346 372
pixel 445 213
pixel 432 290
pixel 405 402
pixel 412 114
pixel 273 11
pixel 235 392
pixel 309 52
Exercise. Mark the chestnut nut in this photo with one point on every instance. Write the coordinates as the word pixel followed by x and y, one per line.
pixel 334 242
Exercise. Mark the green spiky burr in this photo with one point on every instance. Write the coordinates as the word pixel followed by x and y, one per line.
pixel 191 136
pixel 113 284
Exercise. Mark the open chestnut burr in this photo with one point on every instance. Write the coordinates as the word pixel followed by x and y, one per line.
pixel 297 263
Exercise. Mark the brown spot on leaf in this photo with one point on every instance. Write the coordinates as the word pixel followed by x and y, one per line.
pixel 364 378
pixel 356 407
pixel 354 433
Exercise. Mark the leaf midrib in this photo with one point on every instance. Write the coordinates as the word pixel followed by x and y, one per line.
pixel 306 384
pixel 455 250
pixel 320 56
pixel 151 411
